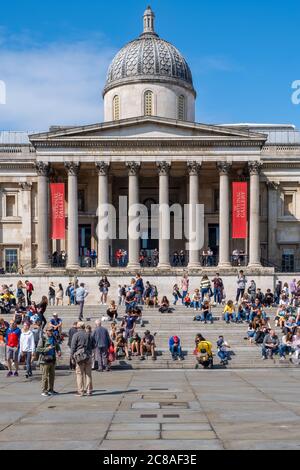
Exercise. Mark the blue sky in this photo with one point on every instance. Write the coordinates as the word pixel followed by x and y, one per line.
pixel 54 56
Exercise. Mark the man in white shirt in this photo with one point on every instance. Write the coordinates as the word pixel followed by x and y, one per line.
pixel 27 347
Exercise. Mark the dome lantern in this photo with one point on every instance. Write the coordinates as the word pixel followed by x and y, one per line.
pixel 149 19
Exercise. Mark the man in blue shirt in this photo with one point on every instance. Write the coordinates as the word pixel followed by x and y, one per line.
pixel 175 348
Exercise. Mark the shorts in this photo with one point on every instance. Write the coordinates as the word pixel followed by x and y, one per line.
pixel 12 354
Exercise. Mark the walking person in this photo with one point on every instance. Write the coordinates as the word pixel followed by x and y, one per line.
pixel 27 347
pixel 41 309
pixel 29 290
pixel 82 352
pixel 48 348
pixel 51 294
pixel 60 295
pixel 81 294
pixel 71 333
pixel 12 341
pixel 102 342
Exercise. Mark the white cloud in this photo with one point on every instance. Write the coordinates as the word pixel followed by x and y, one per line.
pixel 60 83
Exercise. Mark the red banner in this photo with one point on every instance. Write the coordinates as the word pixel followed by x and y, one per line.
pixel 57 196
pixel 239 210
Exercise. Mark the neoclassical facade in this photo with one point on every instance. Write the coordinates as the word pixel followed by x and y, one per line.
pixel 150 150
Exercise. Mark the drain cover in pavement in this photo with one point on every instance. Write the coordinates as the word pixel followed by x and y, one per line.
pixel 171 416
pixel 148 416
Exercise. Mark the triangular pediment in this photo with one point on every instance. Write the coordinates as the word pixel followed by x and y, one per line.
pixel 147 128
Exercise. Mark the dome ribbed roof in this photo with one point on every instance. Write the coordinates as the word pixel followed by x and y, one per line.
pixel 149 58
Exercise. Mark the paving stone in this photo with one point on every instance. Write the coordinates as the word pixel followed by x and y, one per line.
pixel 143 405
pixel 132 435
pixel 203 435
pixel 186 427
pixel 153 445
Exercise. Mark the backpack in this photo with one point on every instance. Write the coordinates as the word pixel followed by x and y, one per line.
pixel 81 355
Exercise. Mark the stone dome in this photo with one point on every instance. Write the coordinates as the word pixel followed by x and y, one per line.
pixel 149 58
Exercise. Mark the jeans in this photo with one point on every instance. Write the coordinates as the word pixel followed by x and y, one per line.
pixel 129 306
pixel 223 355
pixel 227 316
pixel 184 293
pixel 284 350
pixel 239 293
pixel 265 350
pixel 175 299
pixel 175 351
pixel 28 356
pixel 203 293
pixel 196 304
pixel 217 295
pixel 81 305
pixel 242 315
pixel 206 316
pixel 102 358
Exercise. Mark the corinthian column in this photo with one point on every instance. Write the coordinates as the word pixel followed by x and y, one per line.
pixel 254 236
pixel 43 223
pixel 26 259
pixel 133 200
pixel 224 214
pixel 164 215
pixel 103 241
pixel 73 243
pixel 193 170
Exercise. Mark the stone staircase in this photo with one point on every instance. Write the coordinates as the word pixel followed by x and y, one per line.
pixel 180 323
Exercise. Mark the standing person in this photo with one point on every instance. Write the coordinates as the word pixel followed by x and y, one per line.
pixel 20 293
pixel 71 333
pixel 104 285
pixel 185 286
pixel 205 287
pixel 81 294
pixel 102 342
pixel 41 309
pixel 27 347
pixel 68 293
pixel 139 288
pixel 59 295
pixel 12 340
pixel 252 291
pixel 48 348
pixel 82 352
pixel 218 289
pixel 29 290
pixel 241 285
pixel 51 294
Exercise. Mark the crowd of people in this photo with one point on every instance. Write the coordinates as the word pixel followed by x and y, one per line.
pixel 30 338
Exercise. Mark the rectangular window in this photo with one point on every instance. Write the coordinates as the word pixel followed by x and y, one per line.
pixel 288 263
pixel 288 205
pixel 10 206
pixel 11 260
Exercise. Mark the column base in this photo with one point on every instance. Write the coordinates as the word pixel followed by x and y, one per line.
pixel 164 266
pixel 225 265
pixel 42 267
pixel 73 267
pixel 103 267
pixel 254 265
pixel 194 266
pixel 134 267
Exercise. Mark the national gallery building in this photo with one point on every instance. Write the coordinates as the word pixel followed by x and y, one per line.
pixel 150 149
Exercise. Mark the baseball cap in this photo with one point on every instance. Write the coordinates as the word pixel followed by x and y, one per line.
pixel 176 339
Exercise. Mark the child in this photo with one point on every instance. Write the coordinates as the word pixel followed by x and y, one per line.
pixel 187 300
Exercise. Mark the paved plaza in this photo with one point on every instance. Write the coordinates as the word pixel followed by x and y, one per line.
pixel 155 410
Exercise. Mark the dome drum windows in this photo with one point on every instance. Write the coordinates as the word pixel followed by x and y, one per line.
pixel 181 108
pixel 116 108
pixel 148 103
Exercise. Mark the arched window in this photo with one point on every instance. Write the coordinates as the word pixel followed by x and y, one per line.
pixel 116 108
pixel 148 103
pixel 181 108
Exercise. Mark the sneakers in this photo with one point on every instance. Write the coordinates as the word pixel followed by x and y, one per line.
pixel 52 392
pixel 16 374
pixel 45 394
pixel 9 374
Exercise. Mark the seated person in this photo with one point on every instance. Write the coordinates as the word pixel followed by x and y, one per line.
pixel 281 316
pixel 243 312
pixel 270 345
pixel 260 333
pixel 175 348
pixel 128 323
pixel 290 326
pixel 148 346
pixel 187 300
pixel 251 331
pixel 164 306
pixel 135 344
pixel 112 311
pixel 196 299
pixel 113 331
pixel 206 314
pixel 260 296
pixel 56 323
pixel 255 308
pixel 229 312
pixel 222 346
pixel 203 347
pixel 130 300
pixel 121 348
pixel 286 346
pixel 269 299
pixel 138 314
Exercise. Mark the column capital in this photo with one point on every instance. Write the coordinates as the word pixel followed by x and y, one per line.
pixel 163 168
pixel 193 168
pixel 25 186
pixel 102 168
pixel 72 168
pixel 273 185
pixel 42 168
pixel 133 168
pixel 254 168
pixel 224 168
